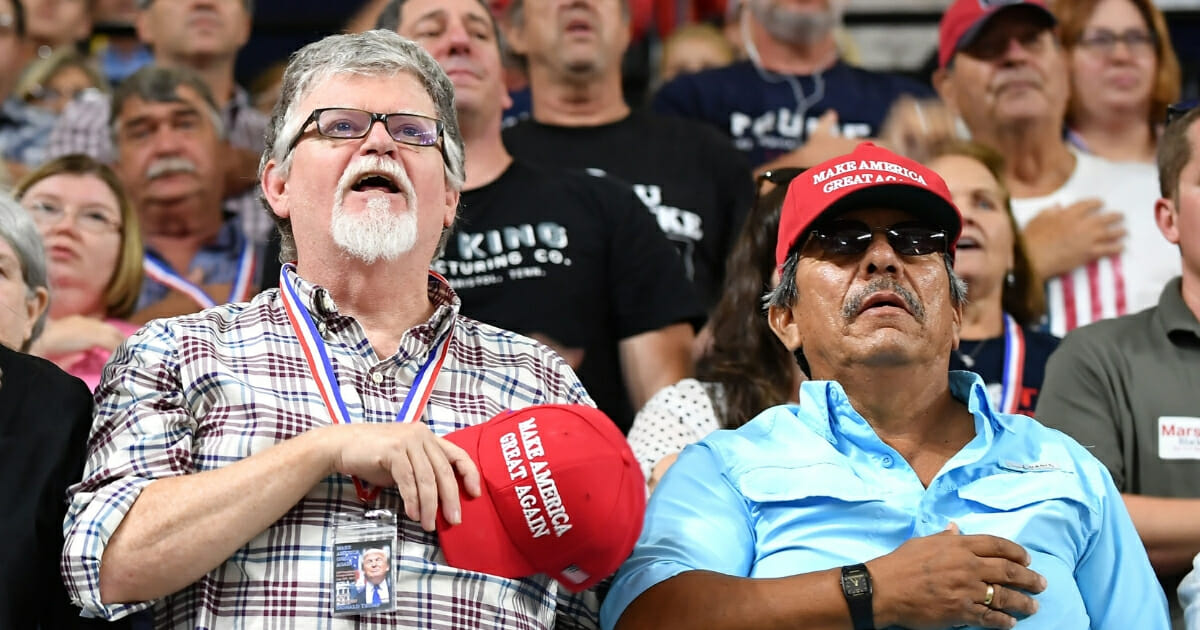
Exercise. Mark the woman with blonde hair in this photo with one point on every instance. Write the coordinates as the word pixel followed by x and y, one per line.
pixel 94 255
pixel 1124 74
pixel 1005 300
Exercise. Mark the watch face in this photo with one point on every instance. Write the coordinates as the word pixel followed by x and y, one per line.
pixel 856 583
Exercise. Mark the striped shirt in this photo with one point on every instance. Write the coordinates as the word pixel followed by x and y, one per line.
pixel 201 391
pixel 1116 285
pixel 83 128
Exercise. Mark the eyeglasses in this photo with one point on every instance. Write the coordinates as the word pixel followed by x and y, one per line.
pixel 346 123
pixel 777 176
pixel 96 221
pixel 993 45
pixel 851 238
pixel 1175 111
pixel 1105 41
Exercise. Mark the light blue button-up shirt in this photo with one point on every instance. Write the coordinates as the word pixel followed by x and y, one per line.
pixel 810 487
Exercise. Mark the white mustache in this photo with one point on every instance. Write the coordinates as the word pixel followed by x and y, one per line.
pixel 168 165
pixel 376 165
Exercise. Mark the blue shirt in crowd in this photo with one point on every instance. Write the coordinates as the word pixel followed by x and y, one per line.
pixel 810 487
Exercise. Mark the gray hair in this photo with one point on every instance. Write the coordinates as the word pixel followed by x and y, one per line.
pixel 376 53
pixel 17 228
pixel 156 84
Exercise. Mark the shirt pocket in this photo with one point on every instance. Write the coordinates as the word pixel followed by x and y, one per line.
pixel 813 517
pixel 1046 512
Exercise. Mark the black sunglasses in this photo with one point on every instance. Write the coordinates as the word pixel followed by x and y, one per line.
pixel 851 238
pixel 1175 111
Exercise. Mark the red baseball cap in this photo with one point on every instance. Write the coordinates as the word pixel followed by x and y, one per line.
pixel 562 495
pixel 963 21
pixel 868 176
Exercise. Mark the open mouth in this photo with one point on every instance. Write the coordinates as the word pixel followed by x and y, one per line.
pixel 966 242
pixel 375 182
pixel 579 25
pixel 883 300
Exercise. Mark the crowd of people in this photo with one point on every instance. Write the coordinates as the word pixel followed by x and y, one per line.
pixel 792 343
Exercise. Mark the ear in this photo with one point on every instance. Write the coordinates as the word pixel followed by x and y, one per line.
pixel 274 188
pixel 242 28
pixel 1167 219
pixel 943 83
pixel 784 325
pixel 515 34
pixel 452 198
pixel 35 305
pixel 144 31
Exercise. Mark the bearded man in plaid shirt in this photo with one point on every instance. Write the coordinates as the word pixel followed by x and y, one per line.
pixel 228 443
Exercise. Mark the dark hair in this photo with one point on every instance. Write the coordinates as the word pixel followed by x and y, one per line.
pixel 746 358
pixel 1174 152
pixel 18 18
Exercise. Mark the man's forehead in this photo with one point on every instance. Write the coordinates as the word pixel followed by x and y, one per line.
pixel 414 11
pixel 401 92
pixel 189 101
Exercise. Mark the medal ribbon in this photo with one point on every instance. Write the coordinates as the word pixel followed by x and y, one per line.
pixel 1014 364
pixel 241 291
pixel 321 367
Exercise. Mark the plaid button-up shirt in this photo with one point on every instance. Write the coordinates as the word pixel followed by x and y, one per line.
pixel 24 132
pixel 199 392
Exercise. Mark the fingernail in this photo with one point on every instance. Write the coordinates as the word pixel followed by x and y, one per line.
pixel 455 517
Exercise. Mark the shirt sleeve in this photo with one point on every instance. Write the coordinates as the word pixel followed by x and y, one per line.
pixel 1117 583
pixel 696 520
pixel 142 431
pixel 1078 397
pixel 83 128
pixel 675 417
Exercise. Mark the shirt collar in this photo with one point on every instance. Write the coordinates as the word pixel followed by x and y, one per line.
pixel 825 407
pixel 446 304
pixel 1173 312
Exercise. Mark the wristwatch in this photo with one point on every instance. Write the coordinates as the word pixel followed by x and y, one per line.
pixel 856 586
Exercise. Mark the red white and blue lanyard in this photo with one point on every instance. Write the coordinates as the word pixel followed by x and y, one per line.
pixel 1014 365
pixel 242 282
pixel 321 367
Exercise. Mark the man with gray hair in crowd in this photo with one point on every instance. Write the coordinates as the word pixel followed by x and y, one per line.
pixel 230 446
pixel 167 131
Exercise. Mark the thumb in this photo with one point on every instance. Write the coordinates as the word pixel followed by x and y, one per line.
pixel 952 529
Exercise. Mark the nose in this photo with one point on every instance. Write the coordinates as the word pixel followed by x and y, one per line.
pixel 880 257
pixel 458 39
pixel 378 140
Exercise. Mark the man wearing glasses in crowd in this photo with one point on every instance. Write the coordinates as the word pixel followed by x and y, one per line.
pixel 216 475
pixel 893 494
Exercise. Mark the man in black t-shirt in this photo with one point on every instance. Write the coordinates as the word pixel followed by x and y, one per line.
pixel 693 180
pixel 570 259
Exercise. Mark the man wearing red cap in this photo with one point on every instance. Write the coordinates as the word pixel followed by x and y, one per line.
pixel 1088 222
pixel 893 494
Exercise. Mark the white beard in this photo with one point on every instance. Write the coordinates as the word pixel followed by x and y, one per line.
pixel 377 233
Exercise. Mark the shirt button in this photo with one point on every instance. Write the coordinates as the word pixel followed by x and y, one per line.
pixel 327 302
pixel 886 460
pixel 321 328
pixel 376 377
